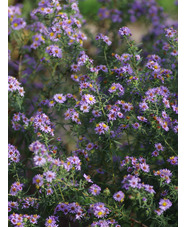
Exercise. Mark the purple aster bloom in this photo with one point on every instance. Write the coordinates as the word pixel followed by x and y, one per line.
pixel 75 67
pixel 116 86
pixel 119 196
pixel 51 221
pixel 159 147
pixel 143 106
pixel 101 128
pixel 133 182
pixel 155 153
pixel 89 146
pixel 85 108
pixel 94 189
pixel 96 113
pixel 13 154
pixel 39 160
pixel 135 125
pixel 50 176
pixel 141 118
pixel 15 188
pixel 165 204
pixel 38 180
pixel 159 211
pixel 54 51
pixel 87 178
pixel 90 99
pixel 49 191
pixel 124 31
pixel 149 188
pixel 145 167
pixel 173 160
pixel 18 23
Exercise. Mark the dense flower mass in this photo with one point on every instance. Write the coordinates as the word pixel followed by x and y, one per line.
pixel 93 120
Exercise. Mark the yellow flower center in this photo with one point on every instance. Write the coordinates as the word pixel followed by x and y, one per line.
pixel 15 24
pixel 100 213
pixel 164 204
pixel 90 98
pixel 37 180
pixel 113 87
pixel 49 221
pixel 59 97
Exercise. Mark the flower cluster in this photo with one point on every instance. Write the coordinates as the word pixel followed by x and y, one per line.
pixel 13 154
pixel 14 86
pixel 96 136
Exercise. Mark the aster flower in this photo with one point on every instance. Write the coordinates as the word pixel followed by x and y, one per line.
pixel 50 176
pixel 13 154
pixel 145 167
pixel 101 128
pixel 116 86
pixel 165 204
pixel 51 221
pixel 155 153
pixel 18 23
pixel 133 182
pixel 143 106
pixel 124 31
pixel 38 180
pixel 54 51
pixel 39 160
pixel 119 196
pixel 159 211
pixel 87 178
pixel 173 160
pixel 135 125
pixel 60 98
pixel 159 147
pixel 85 108
pixel 94 189
pixel 90 99
pixel 15 188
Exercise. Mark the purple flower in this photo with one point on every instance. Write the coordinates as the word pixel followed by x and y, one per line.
pixel 51 221
pixel 159 147
pixel 143 106
pixel 145 167
pixel 87 178
pixel 15 188
pixel 50 176
pixel 101 128
pixel 165 204
pixel 119 196
pixel 159 211
pixel 124 31
pixel 60 98
pixel 94 189
pixel 135 125
pixel 141 118
pixel 90 99
pixel 173 160
pixel 116 86
pixel 133 182
pixel 39 160
pixel 18 23
pixel 85 108
pixel 54 51
pixel 38 180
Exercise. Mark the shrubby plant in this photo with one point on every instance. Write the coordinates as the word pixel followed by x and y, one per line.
pixel 121 113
